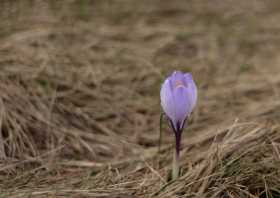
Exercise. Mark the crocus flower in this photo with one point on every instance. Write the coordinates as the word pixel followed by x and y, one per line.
pixel 178 98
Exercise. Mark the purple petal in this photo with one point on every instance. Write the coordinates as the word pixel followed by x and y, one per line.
pixel 191 89
pixel 182 106
pixel 175 78
pixel 166 97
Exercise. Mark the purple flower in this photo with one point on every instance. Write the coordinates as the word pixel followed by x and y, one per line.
pixel 178 98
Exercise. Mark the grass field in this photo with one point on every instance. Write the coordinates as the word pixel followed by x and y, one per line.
pixel 79 98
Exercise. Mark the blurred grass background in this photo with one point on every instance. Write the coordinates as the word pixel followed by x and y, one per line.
pixel 80 84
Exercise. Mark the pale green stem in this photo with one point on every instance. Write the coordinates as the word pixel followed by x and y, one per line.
pixel 175 165
pixel 160 132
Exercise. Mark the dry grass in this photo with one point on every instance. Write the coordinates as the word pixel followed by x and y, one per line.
pixel 79 106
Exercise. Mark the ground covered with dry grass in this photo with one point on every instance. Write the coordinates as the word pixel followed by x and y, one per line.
pixel 79 98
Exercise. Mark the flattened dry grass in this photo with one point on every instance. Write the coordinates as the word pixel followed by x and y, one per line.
pixel 241 160
pixel 245 163
pixel 79 107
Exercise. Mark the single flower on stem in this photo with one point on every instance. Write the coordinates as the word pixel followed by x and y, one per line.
pixel 178 97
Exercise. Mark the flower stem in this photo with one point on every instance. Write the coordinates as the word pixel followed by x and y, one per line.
pixel 176 156
pixel 175 165
pixel 160 132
